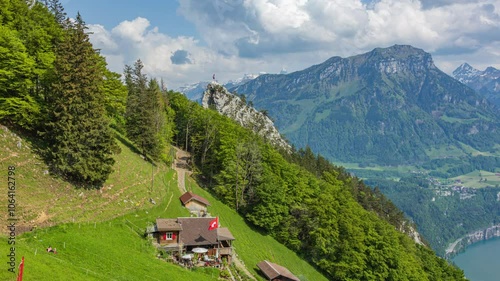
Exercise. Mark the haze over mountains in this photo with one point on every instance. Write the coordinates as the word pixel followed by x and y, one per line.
pixel 388 106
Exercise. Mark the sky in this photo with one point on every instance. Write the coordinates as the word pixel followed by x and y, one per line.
pixel 187 41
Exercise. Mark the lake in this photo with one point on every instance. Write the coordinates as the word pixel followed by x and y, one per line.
pixel 481 261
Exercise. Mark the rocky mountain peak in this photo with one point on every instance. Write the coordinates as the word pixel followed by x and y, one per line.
pixel 492 72
pixel 465 73
pixel 218 97
pixel 400 58
pixel 486 83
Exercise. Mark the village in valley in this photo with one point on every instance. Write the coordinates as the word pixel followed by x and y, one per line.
pixel 465 186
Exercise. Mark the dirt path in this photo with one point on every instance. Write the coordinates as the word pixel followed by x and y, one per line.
pixel 181 166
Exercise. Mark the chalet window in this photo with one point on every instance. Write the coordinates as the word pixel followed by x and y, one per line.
pixel 168 236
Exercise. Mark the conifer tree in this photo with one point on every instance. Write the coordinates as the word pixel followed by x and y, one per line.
pixel 145 112
pixel 80 142
pixel 57 9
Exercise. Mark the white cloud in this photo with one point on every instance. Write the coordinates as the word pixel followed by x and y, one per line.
pixel 136 39
pixel 243 36
pixel 101 38
pixel 132 30
pixel 339 26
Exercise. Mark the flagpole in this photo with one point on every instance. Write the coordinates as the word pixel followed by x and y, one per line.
pixel 21 269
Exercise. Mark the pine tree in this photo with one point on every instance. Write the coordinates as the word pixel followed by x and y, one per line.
pixel 145 112
pixel 80 142
pixel 57 9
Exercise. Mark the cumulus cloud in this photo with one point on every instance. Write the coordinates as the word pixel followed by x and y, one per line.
pixel 163 56
pixel 257 28
pixel 243 36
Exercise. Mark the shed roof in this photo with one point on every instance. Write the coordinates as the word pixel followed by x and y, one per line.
pixel 189 196
pixel 272 270
pixel 168 225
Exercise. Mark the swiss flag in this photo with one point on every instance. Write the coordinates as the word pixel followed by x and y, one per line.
pixel 214 223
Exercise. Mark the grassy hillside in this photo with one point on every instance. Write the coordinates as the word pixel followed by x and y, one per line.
pixel 43 200
pixel 98 235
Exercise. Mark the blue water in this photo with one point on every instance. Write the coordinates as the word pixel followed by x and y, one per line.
pixel 481 261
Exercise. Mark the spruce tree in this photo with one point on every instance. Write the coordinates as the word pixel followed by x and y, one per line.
pixel 57 9
pixel 80 142
pixel 145 112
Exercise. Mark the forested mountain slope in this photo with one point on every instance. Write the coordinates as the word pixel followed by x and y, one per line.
pixel 388 106
pixel 326 216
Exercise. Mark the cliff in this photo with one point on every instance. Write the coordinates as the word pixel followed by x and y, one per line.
pixel 232 106
pixel 471 238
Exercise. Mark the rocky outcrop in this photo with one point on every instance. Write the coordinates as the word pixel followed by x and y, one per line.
pixel 232 106
pixel 471 238
pixel 413 233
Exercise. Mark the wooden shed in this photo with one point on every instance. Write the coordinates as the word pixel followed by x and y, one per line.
pixel 194 203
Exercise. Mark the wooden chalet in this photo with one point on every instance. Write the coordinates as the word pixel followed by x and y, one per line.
pixel 194 203
pixel 275 272
pixel 181 235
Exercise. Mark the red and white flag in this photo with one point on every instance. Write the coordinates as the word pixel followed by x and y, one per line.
pixel 214 224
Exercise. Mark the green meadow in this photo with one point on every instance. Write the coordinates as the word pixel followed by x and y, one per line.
pixel 99 235
pixel 480 179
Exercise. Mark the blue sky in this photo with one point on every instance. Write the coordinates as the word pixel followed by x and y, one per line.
pixel 110 13
pixel 186 41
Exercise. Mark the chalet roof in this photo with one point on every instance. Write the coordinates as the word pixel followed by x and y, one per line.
pixel 189 196
pixel 272 270
pixel 223 234
pixel 194 231
pixel 168 224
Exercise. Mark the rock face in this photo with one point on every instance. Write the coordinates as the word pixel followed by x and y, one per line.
pixel 232 106
pixel 485 82
pixel 471 238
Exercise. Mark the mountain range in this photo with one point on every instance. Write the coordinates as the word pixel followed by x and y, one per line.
pixel 195 91
pixel 485 82
pixel 389 106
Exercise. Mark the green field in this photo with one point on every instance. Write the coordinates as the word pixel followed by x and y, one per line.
pixel 99 235
pixel 445 151
pixel 471 179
